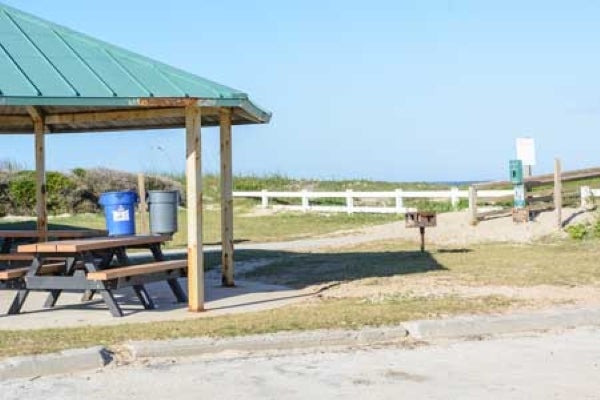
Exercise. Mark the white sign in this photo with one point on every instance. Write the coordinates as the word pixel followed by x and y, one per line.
pixel 526 150
pixel 121 214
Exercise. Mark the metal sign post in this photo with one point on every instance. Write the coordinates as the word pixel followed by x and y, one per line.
pixel 520 210
pixel 420 220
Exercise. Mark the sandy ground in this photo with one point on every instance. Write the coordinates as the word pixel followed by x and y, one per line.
pixel 454 229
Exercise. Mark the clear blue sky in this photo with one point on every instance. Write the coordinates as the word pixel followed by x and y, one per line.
pixel 394 90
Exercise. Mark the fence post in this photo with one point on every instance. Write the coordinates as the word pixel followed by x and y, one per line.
pixel 454 199
pixel 558 192
pixel 399 201
pixel 305 203
pixel 586 197
pixel 473 205
pixel 349 202
pixel 264 199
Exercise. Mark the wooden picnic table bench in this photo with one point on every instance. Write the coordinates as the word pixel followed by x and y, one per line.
pixel 87 267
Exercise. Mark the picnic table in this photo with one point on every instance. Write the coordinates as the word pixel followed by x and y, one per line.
pixel 12 236
pixel 88 267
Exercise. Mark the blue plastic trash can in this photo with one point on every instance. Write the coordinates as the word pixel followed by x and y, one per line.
pixel 119 210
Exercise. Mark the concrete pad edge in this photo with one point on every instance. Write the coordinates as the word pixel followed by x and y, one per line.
pixel 267 342
pixel 64 362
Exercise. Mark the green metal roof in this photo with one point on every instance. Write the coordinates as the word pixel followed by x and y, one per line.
pixel 45 64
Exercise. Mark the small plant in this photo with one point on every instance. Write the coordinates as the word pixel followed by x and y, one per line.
pixel 579 231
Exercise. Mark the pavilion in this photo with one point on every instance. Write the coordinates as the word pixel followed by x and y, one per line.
pixel 55 80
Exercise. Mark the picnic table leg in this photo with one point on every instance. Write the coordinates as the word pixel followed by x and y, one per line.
pixel 157 252
pixel 6 245
pixel 88 295
pixel 55 293
pixel 106 293
pixel 21 296
pixel 144 297
pixel 139 290
pixel 18 301
pixel 110 301
pixel 177 290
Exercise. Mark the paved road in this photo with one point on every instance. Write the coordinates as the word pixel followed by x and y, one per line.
pixel 550 366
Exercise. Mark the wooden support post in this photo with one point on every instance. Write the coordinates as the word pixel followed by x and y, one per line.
pixel 558 192
pixel 194 208
pixel 144 229
pixel 227 261
pixel 473 205
pixel 40 172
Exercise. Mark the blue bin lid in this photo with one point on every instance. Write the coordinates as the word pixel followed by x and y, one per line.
pixel 115 198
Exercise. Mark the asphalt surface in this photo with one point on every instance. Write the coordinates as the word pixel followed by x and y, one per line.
pixel 563 365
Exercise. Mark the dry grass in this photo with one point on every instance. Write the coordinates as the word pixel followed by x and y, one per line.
pixel 316 314
pixel 565 263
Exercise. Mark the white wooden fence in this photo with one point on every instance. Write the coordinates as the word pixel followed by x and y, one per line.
pixel 453 195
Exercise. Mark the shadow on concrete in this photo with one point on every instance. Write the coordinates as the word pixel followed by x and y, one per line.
pixel 264 279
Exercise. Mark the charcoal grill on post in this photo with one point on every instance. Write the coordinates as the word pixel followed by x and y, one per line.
pixel 420 220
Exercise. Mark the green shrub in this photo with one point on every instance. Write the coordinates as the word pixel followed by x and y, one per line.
pixel 59 187
pixel 21 190
pixel 578 231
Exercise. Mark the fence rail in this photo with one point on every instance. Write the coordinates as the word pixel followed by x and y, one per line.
pixel 453 195
pixel 586 194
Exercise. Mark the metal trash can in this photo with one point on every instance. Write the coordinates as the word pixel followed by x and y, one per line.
pixel 119 211
pixel 162 206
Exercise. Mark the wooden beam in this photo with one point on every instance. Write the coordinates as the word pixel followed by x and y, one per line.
pixel 194 208
pixel 135 114
pixel 35 114
pixel 40 178
pixel 121 115
pixel 558 192
pixel 226 201
pixel 16 120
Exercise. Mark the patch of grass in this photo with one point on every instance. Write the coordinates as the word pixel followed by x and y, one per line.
pixel 321 314
pixel 262 228
pixel 559 263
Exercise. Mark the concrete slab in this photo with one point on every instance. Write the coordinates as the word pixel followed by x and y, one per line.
pixel 247 296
